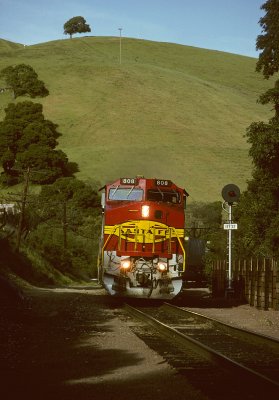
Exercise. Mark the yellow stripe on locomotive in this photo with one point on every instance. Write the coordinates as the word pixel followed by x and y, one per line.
pixel 143 231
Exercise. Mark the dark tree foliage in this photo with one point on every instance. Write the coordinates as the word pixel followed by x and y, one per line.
pixel 76 25
pixel 67 225
pixel 272 96
pixel 203 221
pixel 71 189
pixel 268 42
pixel 257 213
pixel 47 164
pixel 264 140
pixel 208 214
pixel 80 199
pixel 258 209
pixel 28 140
pixel 259 205
pixel 23 80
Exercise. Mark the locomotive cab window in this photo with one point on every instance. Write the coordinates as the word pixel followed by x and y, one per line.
pixel 125 194
pixel 166 196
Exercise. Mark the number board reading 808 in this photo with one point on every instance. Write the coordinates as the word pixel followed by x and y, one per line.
pixel 162 182
pixel 129 181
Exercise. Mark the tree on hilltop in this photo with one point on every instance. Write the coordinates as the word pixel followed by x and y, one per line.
pixel 23 80
pixel 76 25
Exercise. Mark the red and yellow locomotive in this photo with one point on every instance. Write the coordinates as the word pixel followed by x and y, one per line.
pixel 142 245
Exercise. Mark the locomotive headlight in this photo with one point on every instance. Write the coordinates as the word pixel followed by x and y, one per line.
pixel 162 267
pixel 145 211
pixel 125 264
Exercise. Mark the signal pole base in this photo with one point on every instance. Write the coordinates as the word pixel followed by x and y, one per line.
pixel 229 293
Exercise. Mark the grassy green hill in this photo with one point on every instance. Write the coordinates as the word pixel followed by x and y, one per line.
pixel 168 111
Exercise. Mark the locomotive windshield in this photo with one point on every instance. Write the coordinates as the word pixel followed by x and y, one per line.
pixel 127 193
pixel 167 196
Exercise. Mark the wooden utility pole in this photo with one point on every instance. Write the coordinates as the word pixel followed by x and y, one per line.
pixel 64 225
pixel 23 205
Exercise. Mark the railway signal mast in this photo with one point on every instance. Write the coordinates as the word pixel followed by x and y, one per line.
pixel 230 194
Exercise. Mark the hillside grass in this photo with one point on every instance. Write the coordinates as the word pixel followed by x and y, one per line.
pixel 168 111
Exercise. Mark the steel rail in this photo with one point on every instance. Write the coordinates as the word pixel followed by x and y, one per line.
pixel 211 355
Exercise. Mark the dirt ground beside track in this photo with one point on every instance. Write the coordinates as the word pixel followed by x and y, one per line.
pixel 265 322
pixel 71 344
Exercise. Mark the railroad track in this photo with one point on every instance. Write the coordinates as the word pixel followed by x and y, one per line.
pixel 219 352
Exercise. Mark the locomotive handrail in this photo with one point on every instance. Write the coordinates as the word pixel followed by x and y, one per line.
pixel 119 237
pixel 153 239
pixel 182 248
pixel 108 238
pixel 136 238
pixel 170 237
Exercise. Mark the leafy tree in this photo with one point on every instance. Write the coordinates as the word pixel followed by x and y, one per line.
pixel 70 189
pixel 28 140
pixel 259 205
pixel 203 221
pixel 23 80
pixel 264 140
pixel 76 25
pixel 268 42
pixel 272 96
pixel 48 164
pixel 65 226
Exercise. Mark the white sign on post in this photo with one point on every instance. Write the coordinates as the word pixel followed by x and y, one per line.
pixel 230 226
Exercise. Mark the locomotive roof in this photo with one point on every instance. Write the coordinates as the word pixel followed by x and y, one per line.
pixel 140 180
